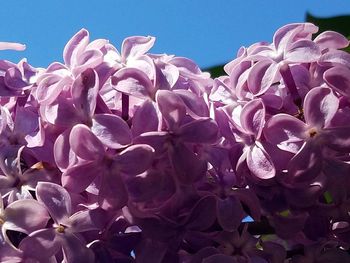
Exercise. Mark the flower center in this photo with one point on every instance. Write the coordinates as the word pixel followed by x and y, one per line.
pixel 2 221
pixel 312 132
pixel 60 229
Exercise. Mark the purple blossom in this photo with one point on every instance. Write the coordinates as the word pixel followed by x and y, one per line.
pixel 137 157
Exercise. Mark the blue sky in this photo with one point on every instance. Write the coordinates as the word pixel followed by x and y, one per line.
pixel 209 32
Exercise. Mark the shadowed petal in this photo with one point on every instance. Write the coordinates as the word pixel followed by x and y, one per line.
pixel 77 178
pixel 112 195
pixel 305 165
pixel 285 131
pixel 25 216
pixel 192 132
pixel 56 199
pixel 230 213
pixel 74 250
pixel 187 165
pixel 14 79
pixel 145 119
pixel 135 159
pixel 88 220
pixel 338 78
pixel 202 216
pixel 220 258
pixel 41 244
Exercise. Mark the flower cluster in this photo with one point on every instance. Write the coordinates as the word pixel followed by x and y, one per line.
pixel 137 157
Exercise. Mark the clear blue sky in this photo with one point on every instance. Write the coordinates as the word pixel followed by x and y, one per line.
pixel 207 31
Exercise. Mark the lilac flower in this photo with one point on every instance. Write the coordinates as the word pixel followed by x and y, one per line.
pixel 66 228
pixel 248 124
pixel 24 216
pixel 162 163
pixel 98 164
pixel 307 139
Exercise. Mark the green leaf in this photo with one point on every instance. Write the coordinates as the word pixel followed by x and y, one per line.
pixel 216 71
pixel 328 197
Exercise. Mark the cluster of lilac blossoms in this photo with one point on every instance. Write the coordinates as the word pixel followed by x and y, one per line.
pixel 137 157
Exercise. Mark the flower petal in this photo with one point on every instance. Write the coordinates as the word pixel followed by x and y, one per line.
pixel 260 163
pixel 85 144
pixel 172 108
pixel 285 131
pixel 230 213
pixel 132 81
pixel 75 250
pixel 192 132
pixel 145 119
pixel 12 46
pixel 331 40
pixel 25 215
pixel 135 159
pixel 305 165
pixel 41 244
pixel 187 165
pixel 56 199
pixel 320 106
pixel 136 46
pixel 303 51
pixel 286 34
pixel 87 220
pixel 112 195
pixel 75 46
pixel 112 130
pixel 338 78
pixel 63 153
pixel 77 178
pixel 201 216
pixel 84 92
pixel 256 75
pixel 334 58
pixel 253 117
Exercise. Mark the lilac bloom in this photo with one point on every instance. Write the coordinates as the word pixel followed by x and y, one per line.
pixel 180 137
pixel 65 232
pixel 24 216
pixel 13 182
pixel 291 44
pixel 80 55
pixel 98 164
pixel 247 123
pixel 186 230
pixel 25 129
pixel 16 79
pixel 307 139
